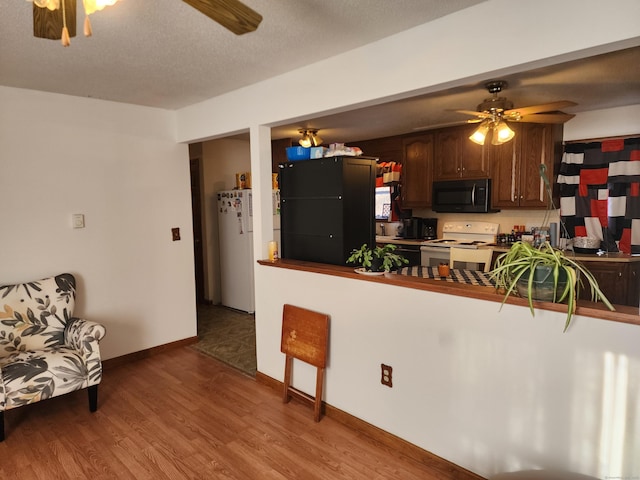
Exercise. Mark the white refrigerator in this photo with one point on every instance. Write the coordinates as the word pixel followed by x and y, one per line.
pixel 235 234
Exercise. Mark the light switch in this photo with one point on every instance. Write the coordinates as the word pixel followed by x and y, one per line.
pixel 77 220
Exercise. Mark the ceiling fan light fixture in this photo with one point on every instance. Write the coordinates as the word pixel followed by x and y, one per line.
pixel 309 138
pixel 305 140
pixel 480 134
pixel 91 6
pixel 48 4
pixel 42 23
pixel 501 133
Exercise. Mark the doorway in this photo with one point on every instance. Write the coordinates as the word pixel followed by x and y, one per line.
pixel 195 160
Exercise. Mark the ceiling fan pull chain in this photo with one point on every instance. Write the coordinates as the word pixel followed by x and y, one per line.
pixel 87 26
pixel 88 9
pixel 65 31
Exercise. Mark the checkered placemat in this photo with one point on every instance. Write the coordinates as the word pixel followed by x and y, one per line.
pixel 471 277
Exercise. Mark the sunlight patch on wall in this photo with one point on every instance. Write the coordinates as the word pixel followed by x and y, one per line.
pixel 614 413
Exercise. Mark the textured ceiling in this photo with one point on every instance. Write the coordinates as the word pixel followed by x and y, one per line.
pixel 164 53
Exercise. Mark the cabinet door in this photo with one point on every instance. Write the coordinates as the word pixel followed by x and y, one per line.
pixel 417 165
pixel 458 157
pixel 505 174
pixel 633 284
pixel 611 277
pixel 536 149
pixel 474 159
pixel 447 155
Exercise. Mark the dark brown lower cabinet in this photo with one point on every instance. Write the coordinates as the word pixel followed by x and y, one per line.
pixel 619 281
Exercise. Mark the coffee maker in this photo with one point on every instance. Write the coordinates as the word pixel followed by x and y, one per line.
pixel 429 228
pixel 419 228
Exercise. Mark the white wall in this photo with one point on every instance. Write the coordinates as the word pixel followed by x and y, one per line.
pixel 489 391
pixel 604 123
pixel 121 167
pixel 222 159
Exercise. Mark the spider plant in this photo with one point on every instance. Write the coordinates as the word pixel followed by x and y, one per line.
pixel 517 271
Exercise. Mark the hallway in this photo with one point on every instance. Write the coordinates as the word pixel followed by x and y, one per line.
pixel 228 335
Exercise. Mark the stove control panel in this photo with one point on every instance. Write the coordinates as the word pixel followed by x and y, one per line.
pixel 473 228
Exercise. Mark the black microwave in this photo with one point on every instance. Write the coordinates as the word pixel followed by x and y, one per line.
pixel 462 196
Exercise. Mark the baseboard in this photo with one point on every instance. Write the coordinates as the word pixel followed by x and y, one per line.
pixel 430 460
pixel 149 352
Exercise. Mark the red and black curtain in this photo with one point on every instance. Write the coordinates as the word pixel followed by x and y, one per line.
pixel 600 192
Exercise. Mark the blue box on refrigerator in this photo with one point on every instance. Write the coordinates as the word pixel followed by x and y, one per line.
pixel 298 153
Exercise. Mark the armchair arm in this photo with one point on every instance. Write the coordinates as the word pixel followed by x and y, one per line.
pixel 84 335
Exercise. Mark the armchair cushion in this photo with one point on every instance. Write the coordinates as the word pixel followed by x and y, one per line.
pixel 32 376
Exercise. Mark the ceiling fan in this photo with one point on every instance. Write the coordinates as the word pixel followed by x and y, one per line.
pixel 503 108
pixel 52 17
pixel 495 111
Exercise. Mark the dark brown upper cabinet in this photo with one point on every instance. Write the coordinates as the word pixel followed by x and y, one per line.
pixel 417 170
pixel 515 166
pixel 458 157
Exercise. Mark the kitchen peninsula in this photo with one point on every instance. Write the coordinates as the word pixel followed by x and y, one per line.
pixel 623 313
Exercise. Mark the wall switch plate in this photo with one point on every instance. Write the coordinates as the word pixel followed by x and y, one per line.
pixel 77 220
pixel 175 234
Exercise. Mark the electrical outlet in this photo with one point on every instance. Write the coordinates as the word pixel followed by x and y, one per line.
pixel 386 378
pixel 175 234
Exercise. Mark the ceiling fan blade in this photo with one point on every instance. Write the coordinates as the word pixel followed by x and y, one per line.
pixel 48 23
pixel 442 125
pixel 546 107
pixel 473 113
pixel 547 118
pixel 231 14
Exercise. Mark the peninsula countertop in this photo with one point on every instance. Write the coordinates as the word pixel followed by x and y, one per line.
pixel 608 257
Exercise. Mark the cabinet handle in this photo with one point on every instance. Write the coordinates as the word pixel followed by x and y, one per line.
pixel 619 274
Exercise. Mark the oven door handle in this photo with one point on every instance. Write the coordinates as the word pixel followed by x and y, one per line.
pixel 473 195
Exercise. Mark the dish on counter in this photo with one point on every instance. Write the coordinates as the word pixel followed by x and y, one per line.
pixel 363 271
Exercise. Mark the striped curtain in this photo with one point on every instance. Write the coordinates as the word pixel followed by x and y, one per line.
pixel 600 192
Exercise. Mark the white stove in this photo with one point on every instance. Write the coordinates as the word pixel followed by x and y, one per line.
pixel 459 235
pixel 465 235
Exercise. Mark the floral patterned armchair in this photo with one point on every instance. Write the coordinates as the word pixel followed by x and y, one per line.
pixel 44 350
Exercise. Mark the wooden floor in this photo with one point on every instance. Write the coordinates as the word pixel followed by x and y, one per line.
pixel 181 414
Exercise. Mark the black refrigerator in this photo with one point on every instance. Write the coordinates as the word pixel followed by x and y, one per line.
pixel 327 208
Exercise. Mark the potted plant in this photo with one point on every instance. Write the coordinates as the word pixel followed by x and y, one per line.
pixel 377 259
pixel 544 273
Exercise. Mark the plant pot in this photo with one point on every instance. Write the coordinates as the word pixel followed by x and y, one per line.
pixel 376 265
pixel 542 287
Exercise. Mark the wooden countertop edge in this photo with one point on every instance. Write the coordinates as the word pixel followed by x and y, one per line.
pixel 622 314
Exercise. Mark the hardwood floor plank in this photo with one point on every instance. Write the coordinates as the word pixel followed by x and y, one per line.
pixel 181 414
